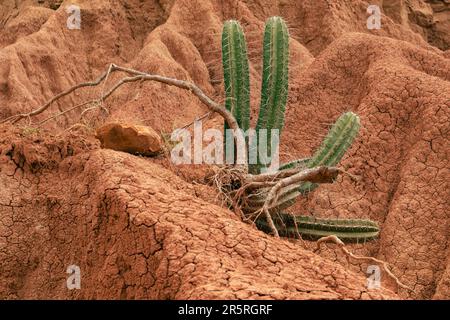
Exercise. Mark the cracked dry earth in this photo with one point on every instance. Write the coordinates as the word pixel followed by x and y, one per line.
pixel 142 228
pixel 138 231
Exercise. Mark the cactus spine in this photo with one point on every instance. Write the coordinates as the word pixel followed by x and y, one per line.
pixel 236 74
pixel 275 78
pixel 339 139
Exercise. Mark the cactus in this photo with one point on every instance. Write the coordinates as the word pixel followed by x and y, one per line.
pixel 274 90
pixel 236 74
pixel 338 140
pixel 348 230
pixel 299 163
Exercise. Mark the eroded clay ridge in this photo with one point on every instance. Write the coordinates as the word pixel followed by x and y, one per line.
pixel 139 231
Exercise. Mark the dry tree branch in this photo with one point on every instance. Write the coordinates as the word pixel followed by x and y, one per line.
pixel 108 72
pixel 271 176
pixel 18 117
pixel 212 105
pixel 138 75
pixel 315 175
pixel 341 245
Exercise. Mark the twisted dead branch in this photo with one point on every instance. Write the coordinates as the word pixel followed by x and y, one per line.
pixel 270 184
pixel 315 175
pixel 136 76
pixel 16 118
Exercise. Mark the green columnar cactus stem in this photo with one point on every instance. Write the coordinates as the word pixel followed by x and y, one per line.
pixel 275 78
pixel 236 74
pixel 348 230
pixel 338 140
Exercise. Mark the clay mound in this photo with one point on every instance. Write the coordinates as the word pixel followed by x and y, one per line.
pixel 139 231
pixel 402 94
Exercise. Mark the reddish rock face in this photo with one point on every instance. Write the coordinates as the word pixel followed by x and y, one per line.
pixel 133 139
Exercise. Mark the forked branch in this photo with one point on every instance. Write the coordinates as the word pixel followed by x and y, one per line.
pixel 138 76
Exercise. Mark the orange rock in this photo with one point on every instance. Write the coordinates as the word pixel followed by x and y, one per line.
pixel 133 139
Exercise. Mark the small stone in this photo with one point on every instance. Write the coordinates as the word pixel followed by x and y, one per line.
pixel 133 139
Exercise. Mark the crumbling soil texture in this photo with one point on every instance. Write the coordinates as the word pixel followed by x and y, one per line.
pixel 142 228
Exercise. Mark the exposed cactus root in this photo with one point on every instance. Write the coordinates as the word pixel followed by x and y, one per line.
pixel 233 183
pixel 341 245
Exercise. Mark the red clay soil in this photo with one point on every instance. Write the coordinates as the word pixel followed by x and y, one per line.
pixel 141 228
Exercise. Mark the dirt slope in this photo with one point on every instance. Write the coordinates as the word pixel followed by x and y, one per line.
pixel 139 231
